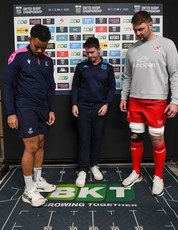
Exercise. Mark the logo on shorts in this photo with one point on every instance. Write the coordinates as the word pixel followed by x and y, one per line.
pixel 30 131
pixel 160 122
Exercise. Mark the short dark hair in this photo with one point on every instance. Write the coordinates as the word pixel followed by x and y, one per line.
pixel 41 32
pixel 141 17
pixel 92 42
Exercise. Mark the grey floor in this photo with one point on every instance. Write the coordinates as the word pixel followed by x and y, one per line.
pixel 173 166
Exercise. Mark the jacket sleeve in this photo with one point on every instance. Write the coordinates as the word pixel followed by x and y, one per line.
pixel 76 86
pixel 172 67
pixel 111 86
pixel 51 90
pixel 10 76
pixel 127 78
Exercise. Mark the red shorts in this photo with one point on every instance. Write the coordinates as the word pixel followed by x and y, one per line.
pixel 150 112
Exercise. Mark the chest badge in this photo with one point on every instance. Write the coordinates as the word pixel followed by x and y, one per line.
pixel 46 63
pixel 157 48
pixel 104 67
pixel 29 61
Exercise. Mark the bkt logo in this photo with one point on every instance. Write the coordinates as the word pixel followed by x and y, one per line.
pixel 92 192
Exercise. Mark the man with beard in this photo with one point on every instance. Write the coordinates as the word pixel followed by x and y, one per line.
pixel 150 64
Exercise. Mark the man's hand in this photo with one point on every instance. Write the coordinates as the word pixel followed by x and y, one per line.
pixel 12 121
pixel 75 111
pixel 103 110
pixel 123 105
pixel 171 110
pixel 51 118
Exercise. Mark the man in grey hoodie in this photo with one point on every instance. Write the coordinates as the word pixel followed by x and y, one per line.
pixel 150 64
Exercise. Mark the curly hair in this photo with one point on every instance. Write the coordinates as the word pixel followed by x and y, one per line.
pixel 41 32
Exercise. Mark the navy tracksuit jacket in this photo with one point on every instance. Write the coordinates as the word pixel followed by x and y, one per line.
pixel 29 81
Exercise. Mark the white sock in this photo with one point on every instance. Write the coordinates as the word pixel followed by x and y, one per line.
pixel 37 174
pixel 28 182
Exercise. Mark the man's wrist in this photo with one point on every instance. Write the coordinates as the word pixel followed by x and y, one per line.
pixel 107 104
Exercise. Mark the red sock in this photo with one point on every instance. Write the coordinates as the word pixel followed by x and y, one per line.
pixel 159 155
pixel 136 152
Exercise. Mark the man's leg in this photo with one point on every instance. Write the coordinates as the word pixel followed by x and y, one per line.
pixel 41 184
pixel 159 152
pixel 137 136
pixel 84 130
pixel 31 147
pixel 159 155
pixel 98 123
pixel 38 161
pixel 31 195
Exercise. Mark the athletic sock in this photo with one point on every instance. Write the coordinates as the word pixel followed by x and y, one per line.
pixel 159 155
pixel 37 174
pixel 136 152
pixel 28 182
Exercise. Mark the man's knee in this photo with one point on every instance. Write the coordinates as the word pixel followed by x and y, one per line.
pixel 156 135
pixel 32 145
pixel 156 131
pixel 137 131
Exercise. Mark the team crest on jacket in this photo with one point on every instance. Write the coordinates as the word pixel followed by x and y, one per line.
pixel 103 66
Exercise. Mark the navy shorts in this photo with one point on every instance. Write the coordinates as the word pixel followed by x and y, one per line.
pixel 32 122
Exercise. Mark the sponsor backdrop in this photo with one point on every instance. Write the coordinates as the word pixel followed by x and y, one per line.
pixel 71 25
pixel 110 22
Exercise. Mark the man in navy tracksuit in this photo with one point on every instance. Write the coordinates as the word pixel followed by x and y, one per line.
pixel 29 95
pixel 93 89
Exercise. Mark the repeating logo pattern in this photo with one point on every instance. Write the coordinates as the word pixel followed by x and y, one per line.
pixel 70 26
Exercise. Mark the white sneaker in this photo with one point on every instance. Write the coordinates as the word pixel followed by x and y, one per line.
pixel 96 173
pixel 132 179
pixel 43 186
pixel 80 181
pixel 33 197
pixel 158 186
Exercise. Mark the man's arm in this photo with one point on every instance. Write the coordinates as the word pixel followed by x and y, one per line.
pixel 75 86
pixel 111 88
pixel 172 67
pixel 10 75
pixel 51 118
pixel 171 110
pixel 51 90
pixel 12 121
pixel 75 111
pixel 126 84
pixel 123 105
